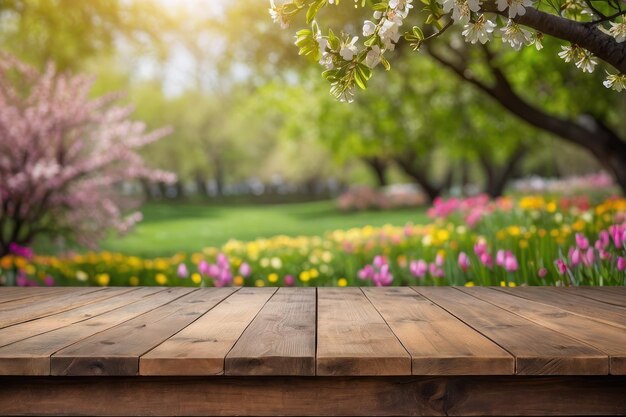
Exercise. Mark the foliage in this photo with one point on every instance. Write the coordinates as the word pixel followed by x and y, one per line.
pixel 63 156
pixel 529 241
pixel 593 31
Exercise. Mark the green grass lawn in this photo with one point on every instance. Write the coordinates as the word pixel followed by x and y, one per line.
pixel 171 227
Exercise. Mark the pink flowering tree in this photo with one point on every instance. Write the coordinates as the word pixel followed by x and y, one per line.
pixel 63 158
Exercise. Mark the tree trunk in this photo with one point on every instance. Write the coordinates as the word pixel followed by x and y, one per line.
pixel 407 164
pixel 496 178
pixel 587 132
pixel 379 167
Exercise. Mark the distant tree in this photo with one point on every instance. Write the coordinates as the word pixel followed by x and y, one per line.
pixel 63 157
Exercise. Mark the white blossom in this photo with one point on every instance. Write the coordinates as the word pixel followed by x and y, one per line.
pixel 368 28
pixel 460 10
pixel 616 82
pixel 569 53
pixel 586 62
pixel 516 7
pixel 515 35
pixel 326 61
pixel 479 31
pixel 389 34
pixel 348 49
pixel 277 15
pixel 401 7
pixel 618 31
pixel 374 56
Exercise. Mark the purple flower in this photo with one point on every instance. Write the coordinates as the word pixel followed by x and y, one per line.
pixel 510 263
pixel 480 248
pixel 621 263
pixel 182 271
pixel 581 241
pixel 366 273
pixel 486 259
pixel 289 280
pixel 542 272
pixel 48 281
pixel 436 271
pixel 21 251
pixel 418 268
pixel 222 261
pixel 575 257
pixel 561 266
pixel 203 267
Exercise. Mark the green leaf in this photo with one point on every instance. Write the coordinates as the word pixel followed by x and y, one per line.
pixel 313 9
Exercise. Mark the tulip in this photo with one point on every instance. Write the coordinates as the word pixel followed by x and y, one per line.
pixel 436 271
pixel 542 272
pixel 561 266
pixel 618 235
pixel 464 262
pixel 439 259
pixel 480 247
pixel 621 263
pixel 589 257
pixel 222 261
pixel 379 261
pixel 366 273
pixel 581 241
pixel 203 268
pixel 510 263
pixel 500 257
pixel 418 268
pixel 182 270
pixel 604 239
pixel 575 257
pixel 486 260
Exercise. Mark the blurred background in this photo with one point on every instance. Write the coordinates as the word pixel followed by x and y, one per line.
pixel 260 148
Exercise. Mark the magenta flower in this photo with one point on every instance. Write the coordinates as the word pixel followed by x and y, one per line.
pixel 617 233
pixel 21 251
pixel 500 257
pixel 575 258
pixel 245 270
pixel 561 266
pixel 464 262
pixel 486 260
pixel 439 260
pixel 621 263
pixel 366 273
pixel 542 272
pixel 222 261
pixel 436 271
pixel 203 267
pixel 182 271
pixel 418 268
pixel 589 257
pixel 510 263
pixel 379 261
pixel 581 241
pixel 480 248
pixel 289 280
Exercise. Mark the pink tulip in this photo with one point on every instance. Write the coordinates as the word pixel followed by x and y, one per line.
pixel 581 241
pixel 500 257
pixel 418 268
pixel 617 233
pixel 245 270
pixel 486 260
pixel 561 266
pixel 214 271
pixel 589 257
pixel 222 261
pixel 542 272
pixel 182 270
pixel 480 247
pixel 464 262
pixel 510 263
pixel 621 263
pixel 604 238
pixel 203 267
pixel 366 273
pixel 439 260
pixel 379 261
pixel 575 257
pixel 604 255
pixel 436 271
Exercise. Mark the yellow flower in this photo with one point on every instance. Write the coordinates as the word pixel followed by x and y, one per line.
pixel 469 284
pixel 19 262
pixel 551 207
pixel 160 279
pixel 259 283
pixel 238 280
pixel 514 230
pixel 196 278
pixel 443 235
pixel 103 279
pixel 6 262
pixel 314 273
pixel 305 276
pixel 342 282
pixel 579 225
pixel 133 281
pixel 273 277
pixel 512 284
pixel 502 284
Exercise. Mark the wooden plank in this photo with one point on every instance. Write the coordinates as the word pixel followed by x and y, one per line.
pixel 18 293
pixel 116 351
pixel 605 338
pixel 116 297
pixel 19 311
pixel 538 350
pixel 32 356
pixel 353 339
pixel 281 339
pixel 323 396
pixel 602 294
pixel 438 342
pixel 611 314
pixel 200 348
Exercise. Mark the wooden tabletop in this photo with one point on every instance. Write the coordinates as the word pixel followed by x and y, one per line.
pixel 438 331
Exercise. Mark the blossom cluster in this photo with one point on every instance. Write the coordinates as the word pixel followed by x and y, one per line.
pixel 384 30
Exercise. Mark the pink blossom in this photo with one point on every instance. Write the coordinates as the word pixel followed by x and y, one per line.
pixel 366 273
pixel 575 257
pixel 510 263
pixel 222 261
pixel 245 270
pixel 203 268
pixel 418 268
pixel 464 262
pixel 480 247
pixel 581 241
pixel 542 272
pixel 21 251
pixel 589 257
pixel 48 281
pixel 436 271
pixel 289 280
pixel 605 256
pixel 617 233
pixel 561 266
pixel 621 263
pixel 379 261
pixel 486 260
pixel 439 259
pixel 182 270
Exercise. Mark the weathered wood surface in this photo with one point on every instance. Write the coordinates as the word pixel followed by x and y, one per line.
pixel 307 331
pixel 305 396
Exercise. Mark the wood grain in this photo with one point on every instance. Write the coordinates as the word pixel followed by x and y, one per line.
pixel 305 396
pixel 353 339
pixel 538 350
pixel 608 295
pixel 200 348
pixel 438 342
pixel 116 351
pixel 19 293
pixel 597 310
pixel 281 339
pixel 18 311
pixel 32 356
pixel 608 339
pixel 117 297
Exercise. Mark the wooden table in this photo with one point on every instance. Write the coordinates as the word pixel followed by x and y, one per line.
pixel 307 351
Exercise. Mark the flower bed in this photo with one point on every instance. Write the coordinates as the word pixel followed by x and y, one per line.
pixel 532 240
